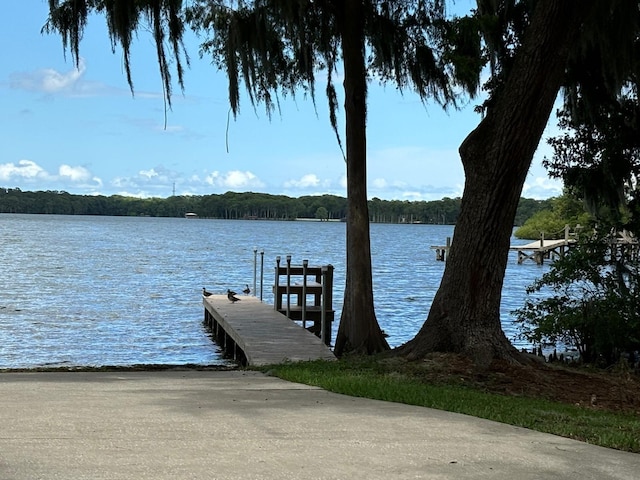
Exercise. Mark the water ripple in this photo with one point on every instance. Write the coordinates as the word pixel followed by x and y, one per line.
pixel 93 291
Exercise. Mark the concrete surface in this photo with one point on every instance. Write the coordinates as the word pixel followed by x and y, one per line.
pixel 244 425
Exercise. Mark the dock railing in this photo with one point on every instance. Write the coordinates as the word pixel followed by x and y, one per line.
pixel 301 282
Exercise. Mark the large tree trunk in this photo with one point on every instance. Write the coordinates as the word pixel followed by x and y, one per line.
pixel 465 315
pixel 359 331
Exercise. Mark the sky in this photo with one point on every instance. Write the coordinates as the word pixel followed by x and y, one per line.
pixel 79 128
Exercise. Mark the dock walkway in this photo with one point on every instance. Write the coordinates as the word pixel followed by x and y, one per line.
pixel 543 249
pixel 253 333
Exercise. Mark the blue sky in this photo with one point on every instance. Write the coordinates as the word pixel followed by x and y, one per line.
pixel 80 129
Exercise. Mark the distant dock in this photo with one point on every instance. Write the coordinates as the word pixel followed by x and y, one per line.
pixel 538 251
pixel 442 251
pixel 542 249
pixel 254 334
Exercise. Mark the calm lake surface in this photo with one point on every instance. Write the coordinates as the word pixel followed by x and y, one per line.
pixel 91 291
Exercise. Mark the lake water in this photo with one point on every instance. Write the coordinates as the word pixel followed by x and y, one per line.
pixel 91 291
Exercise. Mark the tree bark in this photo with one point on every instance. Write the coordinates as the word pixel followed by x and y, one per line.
pixel 359 331
pixel 465 314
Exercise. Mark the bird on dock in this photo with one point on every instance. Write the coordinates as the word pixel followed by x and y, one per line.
pixel 232 296
pixel 247 290
pixel 205 293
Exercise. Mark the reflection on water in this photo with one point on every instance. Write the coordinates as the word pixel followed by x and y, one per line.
pixel 79 290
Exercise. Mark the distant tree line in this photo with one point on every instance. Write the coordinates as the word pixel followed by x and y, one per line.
pixel 247 205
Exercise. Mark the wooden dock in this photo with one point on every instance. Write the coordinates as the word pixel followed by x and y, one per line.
pixel 253 333
pixel 542 249
pixel 442 251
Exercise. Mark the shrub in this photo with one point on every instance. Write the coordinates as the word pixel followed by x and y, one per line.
pixel 589 299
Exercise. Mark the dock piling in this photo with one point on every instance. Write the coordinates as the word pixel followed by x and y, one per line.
pixel 261 272
pixel 305 264
pixel 255 268
pixel 289 286
pixel 442 251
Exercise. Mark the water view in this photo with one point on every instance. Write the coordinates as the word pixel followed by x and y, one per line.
pixel 81 290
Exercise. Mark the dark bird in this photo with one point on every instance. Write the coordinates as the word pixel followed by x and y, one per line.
pixel 205 293
pixel 232 296
pixel 247 290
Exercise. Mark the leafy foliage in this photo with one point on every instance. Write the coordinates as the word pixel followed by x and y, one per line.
pixel 593 292
pixel 232 205
pixel 564 210
pixel 589 300
pixel 598 157
pixel 277 47
pixel 164 18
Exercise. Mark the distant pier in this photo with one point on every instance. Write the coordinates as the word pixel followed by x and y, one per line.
pixel 542 249
pixel 442 251
pixel 538 251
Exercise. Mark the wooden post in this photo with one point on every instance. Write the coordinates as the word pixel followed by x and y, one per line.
pixel 323 306
pixel 539 257
pixel 255 268
pixel 327 303
pixel 261 274
pixel 305 264
pixel 277 299
pixel 288 286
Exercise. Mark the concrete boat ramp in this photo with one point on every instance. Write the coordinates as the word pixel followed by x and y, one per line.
pixel 239 425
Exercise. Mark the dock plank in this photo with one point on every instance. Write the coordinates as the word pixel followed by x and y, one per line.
pixel 542 245
pixel 265 336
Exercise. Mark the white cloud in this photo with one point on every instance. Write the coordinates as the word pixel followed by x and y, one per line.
pixel 157 181
pixel 541 188
pixel 53 81
pixel 75 174
pixel 30 173
pixel 379 183
pixel 25 170
pixel 70 83
pixel 148 173
pixel 306 181
pixel 48 80
pixel 212 179
pixel 234 179
pixel 160 181
pixel 237 179
pixel 413 191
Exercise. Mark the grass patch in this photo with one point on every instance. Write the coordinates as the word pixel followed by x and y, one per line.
pixel 405 383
